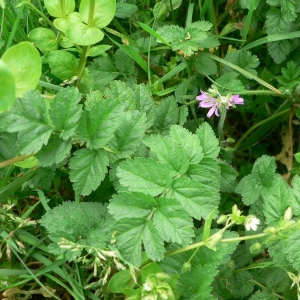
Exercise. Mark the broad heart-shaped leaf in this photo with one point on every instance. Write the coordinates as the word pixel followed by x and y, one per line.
pixel 25 64
pixel 131 233
pixel 129 135
pixel 189 142
pixel 7 88
pixel 196 284
pixel 65 111
pixel 291 250
pixel 144 175
pixel 44 39
pixel 172 222
pixel 54 152
pixel 228 177
pixel 97 126
pixel 169 152
pixel 276 200
pixel 29 118
pixel 87 170
pixel 62 64
pixel 194 197
pixel 55 7
pixel 82 34
pixel 208 140
pixel 104 11
pixel 131 205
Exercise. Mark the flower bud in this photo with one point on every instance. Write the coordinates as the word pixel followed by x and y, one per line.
pixel 222 219
pixel 255 248
pixel 289 224
pixel 270 230
pixel 288 214
pixel 186 267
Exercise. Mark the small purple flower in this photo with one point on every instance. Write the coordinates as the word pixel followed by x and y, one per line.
pixel 208 102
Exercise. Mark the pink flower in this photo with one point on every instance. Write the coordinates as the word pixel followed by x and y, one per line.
pixel 208 102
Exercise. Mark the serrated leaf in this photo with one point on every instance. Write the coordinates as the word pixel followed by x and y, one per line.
pixel 263 295
pixel 189 142
pixel 129 135
pixel 167 114
pixel 173 223
pixel 131 205
pixel 243 59
pixel 96 127
pixel 65 111
pixel 290 75
pixel 229 84
pixel 168 152
pixel 291 250
pixel 241 284
pixel 103 72
pixel 194 197
pixel 294 201
pixel 118 91
pixel 54 152
pixel 123 62
pixel 29 118
pixel 196 284
pixel 144 175
pixel 228 177
pixel 87 169
pixel 42 178
pixel 205 66
pixel 264 168
pixel 276 200
pixel 125 10
pixel 279 50
pixel 131 233
pixel 208 140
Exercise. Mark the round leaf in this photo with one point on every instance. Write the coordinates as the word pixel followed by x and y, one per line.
pixel 7 87
pixel 44 39
pixel 104 12
pixel 81 34
pixel 25 64
pixel 55 8
pixel 62 64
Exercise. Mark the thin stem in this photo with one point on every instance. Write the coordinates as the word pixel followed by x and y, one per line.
pixel 32 7
pixel 11 161
pixel 82 63
pixel 221 122
pixel 91 13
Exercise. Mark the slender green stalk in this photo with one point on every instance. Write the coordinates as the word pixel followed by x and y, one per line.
pixel 91 13
pixel 11 161
pixel 82 63
pixel 223 113
pixel 248 22
pixel 32 7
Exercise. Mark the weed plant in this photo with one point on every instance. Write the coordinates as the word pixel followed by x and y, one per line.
pixel 149 149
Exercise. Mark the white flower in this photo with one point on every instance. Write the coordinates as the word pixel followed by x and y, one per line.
pixel 251 222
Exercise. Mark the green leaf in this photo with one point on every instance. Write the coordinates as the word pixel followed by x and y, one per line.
pixel 29 118
pixel 98 50
pixel 169 152
pixel 294 202
pixel 228 84
pixel 44 39
pixel 291 250
pixel 104 11
pixel 279 50
pixel 131 233
pixel 62 64
pixel 194 197
pixel 228 177
pixel 264 168
pixel 131 205
pixel 128 137
pixel 173 223
pixel 24 62
pixel 263 295
pixel 205 66
pixel 276 200
pixel 193 288
pixel 103 72
pixel 87 169
pixel 120 280
pixel 65 111
pixel 144 175
pixel 82 34
pixel 123 62
pixel 7 88
pixel 189 142
pixel 241 284
pixel 55 8
pixel 54 152
pixel 290 75
pixel 125 10
pixel 96 127
pixel 167 114
pixel 208 140
pixel 42 178
pixel 243 59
